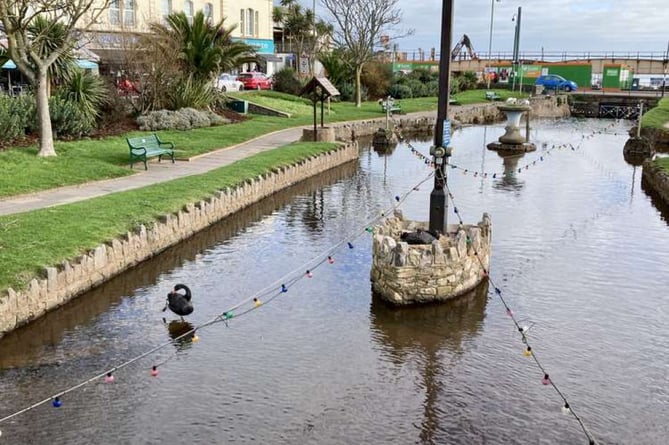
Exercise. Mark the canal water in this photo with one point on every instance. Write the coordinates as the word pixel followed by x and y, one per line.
pixel 580 251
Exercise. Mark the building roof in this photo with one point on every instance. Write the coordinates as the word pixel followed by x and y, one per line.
pixel 319 88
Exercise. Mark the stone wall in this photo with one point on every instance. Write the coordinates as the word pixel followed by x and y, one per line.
pixel 487 113
pixel 404 274
pixel 65 281
pixel 657 178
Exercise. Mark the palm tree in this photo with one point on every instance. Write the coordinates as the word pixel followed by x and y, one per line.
pixel 202 49
pixel 49 36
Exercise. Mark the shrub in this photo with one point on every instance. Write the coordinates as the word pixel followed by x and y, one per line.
pixel 376 78
pixel 189 92
pixel 87 90
pixel 197 119
pixel 287 81
pixel 347 92
pixel 417 88
pixel 68 119
pixel 399 91
pixel 466 80
pixel 432 88
pixel 16 115
pixel 163 120
pixel 182 119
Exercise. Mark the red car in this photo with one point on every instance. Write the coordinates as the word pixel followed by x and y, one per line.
pixel 255 81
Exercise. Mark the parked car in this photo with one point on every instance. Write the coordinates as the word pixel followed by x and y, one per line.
pixel 255 81
pixel 555 82
pixel 228 82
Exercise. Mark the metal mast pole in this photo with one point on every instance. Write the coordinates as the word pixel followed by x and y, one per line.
pixel 438 203
pixel 492 16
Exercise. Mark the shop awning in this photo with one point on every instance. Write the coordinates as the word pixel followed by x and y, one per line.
pixel 270 57
pixel 87 65
pixel 84 64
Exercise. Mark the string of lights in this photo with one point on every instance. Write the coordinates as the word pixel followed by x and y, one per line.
pixel 522 329
pixel 270 291
pixel 427 160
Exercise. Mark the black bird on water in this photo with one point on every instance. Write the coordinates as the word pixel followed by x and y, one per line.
pixel 179 303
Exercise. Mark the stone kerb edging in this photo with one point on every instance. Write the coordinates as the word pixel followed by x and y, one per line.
pixel 658 179
pixel 486 113
pixel 71 278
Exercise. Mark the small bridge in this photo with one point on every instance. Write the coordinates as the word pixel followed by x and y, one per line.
pixel 611 105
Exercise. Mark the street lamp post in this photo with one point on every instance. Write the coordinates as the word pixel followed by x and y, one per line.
pixel 492 16
pixel 516 49
pixel 438 203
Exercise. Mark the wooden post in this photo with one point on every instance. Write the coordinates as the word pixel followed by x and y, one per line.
pixel 527 127
pixel 315 120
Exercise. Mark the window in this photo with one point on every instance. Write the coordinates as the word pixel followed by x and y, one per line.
pixel 188 9
pixel 208 12
pixel 114 12
pixel 129 12
pixel 242 22
pixel 250 22
pixel 256 31
pixel 166 8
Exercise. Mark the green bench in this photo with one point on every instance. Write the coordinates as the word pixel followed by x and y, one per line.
pixel 394 106
pixel 491 95
pixel 145 147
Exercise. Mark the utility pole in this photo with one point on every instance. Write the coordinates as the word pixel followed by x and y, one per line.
pixel 440 153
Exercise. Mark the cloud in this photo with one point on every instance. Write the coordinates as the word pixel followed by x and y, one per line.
pixel 628 26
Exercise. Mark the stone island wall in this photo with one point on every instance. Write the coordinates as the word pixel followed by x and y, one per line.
pixel 61 283
pixel 404 274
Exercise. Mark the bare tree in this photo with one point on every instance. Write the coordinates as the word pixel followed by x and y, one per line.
pixel 29 26
pixel 359 26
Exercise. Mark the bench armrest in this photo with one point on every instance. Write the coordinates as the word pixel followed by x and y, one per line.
pixel 163 143
pixel 141 150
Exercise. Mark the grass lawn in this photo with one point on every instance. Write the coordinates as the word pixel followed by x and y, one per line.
pixel 95 159
pixel 658 116
pixel 89 160
pixel 29 241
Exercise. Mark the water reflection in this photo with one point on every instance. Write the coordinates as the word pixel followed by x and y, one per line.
pixel 35 344
pixel 177 330
pixel 430 332
pixel 656 200
pixel 509 179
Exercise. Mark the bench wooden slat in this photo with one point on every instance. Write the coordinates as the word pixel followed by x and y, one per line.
pixel 145 147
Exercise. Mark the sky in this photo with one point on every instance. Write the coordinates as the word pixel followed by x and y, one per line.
pixel 555 25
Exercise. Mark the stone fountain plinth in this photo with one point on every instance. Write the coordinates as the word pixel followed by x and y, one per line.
pixel 404 274
pixel 512 141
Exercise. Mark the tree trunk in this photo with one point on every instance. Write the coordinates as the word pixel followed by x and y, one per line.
pixel 358 86
pixel 46 147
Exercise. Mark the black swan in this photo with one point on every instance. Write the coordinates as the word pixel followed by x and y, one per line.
pixel 178 303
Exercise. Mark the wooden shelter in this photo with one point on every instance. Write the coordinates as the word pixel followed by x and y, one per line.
pixel 318 89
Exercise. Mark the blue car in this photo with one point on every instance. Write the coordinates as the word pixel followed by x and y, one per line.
pixel 555 82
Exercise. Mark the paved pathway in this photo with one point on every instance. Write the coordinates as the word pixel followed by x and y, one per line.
pixel 157 172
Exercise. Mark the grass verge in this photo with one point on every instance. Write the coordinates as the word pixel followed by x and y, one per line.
pixel 657 117
pixel 30 241
pixel 663 163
